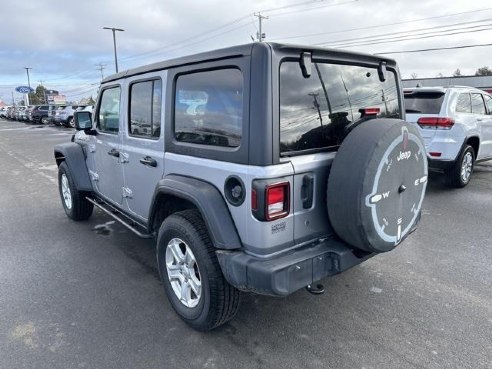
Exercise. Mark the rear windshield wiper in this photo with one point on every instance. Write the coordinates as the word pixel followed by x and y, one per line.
pixel 412 111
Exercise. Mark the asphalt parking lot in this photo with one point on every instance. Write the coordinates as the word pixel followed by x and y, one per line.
pixel 75 295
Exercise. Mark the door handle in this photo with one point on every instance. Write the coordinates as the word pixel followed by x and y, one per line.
pixel 114 152
pixel 479 119
pixel 149 161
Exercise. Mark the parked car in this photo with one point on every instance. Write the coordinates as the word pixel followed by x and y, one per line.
pixel 21 113
pixel 29 110
pixel 456 125
pixel 53 112
pixel 3 112
pixel 40 114
pixel 245 186
pixel 64 116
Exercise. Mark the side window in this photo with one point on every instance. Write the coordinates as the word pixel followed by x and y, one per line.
pixel 478 106
pixel 109 110
pixel 145 109
pixel 463 105
pixel 488 102
pixel 208 108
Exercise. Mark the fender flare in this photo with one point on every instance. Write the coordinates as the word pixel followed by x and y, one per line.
pixel 208 200
pixel 73 154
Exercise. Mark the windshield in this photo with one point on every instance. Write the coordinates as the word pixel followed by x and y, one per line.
pixel 317 112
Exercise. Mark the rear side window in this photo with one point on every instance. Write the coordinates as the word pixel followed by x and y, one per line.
pixel 463 105
pixel 317 112
pixel 208 108
pixel 109 110
pixel 488 102
pixel 478 106
pixel 145 109
pixel 423 102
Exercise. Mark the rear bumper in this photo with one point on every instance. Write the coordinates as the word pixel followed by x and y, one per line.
pixel 282 275
pixel 440 165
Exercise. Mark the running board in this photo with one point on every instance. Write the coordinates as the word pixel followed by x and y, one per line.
pixel 120 220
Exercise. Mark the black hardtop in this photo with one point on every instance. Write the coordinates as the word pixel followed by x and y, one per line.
pixel 247 49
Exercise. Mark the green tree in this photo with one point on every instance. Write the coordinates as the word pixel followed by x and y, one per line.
pixel 483 71
pixel 38 97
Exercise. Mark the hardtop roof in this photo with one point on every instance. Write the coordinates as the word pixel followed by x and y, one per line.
pixel 238 51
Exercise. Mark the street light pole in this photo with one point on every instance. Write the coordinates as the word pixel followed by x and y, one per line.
pixel 114 44
pixel 29 84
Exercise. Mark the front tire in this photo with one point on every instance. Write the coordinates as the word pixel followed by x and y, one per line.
pixel 44 120
pixel 74 202
pixel 460 174
pixel 191 274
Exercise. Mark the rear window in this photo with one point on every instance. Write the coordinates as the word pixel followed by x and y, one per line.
pixel 423 102
pixel 317 112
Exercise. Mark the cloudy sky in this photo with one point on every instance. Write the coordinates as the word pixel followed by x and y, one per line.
pixel 63 41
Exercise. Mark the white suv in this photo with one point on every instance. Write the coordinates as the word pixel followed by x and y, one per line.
pixel 456 125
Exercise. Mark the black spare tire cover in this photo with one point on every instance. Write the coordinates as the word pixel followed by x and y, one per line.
pixel 377 184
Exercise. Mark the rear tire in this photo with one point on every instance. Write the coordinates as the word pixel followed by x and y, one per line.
pixel 186 257
pixel 74 202
pixel 460 174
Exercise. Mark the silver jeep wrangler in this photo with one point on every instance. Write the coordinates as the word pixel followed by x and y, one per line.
pixel 261 168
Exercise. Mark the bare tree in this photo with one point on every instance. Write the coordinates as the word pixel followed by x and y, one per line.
pixel 414 75
pixel 457 73
pixel 483 71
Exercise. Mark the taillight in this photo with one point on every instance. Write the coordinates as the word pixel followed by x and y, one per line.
pixel 435 122
pixel 369 111
pixel 277 200
pixel 270 199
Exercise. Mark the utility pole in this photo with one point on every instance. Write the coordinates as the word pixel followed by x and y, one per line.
pixel 114 44
pixel 100 68
pixel 324 87
pixel 316 105
pixel 13 100
pixel 260 34
pixel 29 84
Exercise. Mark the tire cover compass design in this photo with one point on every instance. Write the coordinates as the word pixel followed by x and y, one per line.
pixel 377 185
pixel 401 156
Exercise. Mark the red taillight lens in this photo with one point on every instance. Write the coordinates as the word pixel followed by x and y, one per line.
pixel 370 111
pixel 435 122
pixel 277 201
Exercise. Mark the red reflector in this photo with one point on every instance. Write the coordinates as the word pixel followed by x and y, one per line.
pixel 435 122
pixel 436 154
pixel 277 201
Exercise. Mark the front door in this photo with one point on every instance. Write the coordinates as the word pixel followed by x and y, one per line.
pixel 107 176
pixel 142 152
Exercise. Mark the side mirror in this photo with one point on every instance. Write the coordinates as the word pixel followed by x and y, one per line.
pixel 82 120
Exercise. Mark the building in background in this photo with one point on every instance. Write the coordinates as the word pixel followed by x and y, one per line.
pixel 481 82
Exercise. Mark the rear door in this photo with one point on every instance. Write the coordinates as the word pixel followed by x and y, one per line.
pixel 481 107
pixel 316 113
pixel 142 151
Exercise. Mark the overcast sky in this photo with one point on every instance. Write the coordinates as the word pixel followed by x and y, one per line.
pixel 62 41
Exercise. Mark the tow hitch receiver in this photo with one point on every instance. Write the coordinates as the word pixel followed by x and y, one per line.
pixel 319 289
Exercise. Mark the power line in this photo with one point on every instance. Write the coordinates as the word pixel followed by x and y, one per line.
pixel 403 33
pixel 420 37
pixel 433 49
pixel 312 8
pixel 383 25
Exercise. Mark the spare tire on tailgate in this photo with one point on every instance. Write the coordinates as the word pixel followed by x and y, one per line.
pixel 377 184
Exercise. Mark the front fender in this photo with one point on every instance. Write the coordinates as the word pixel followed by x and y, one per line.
pixel 73 154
